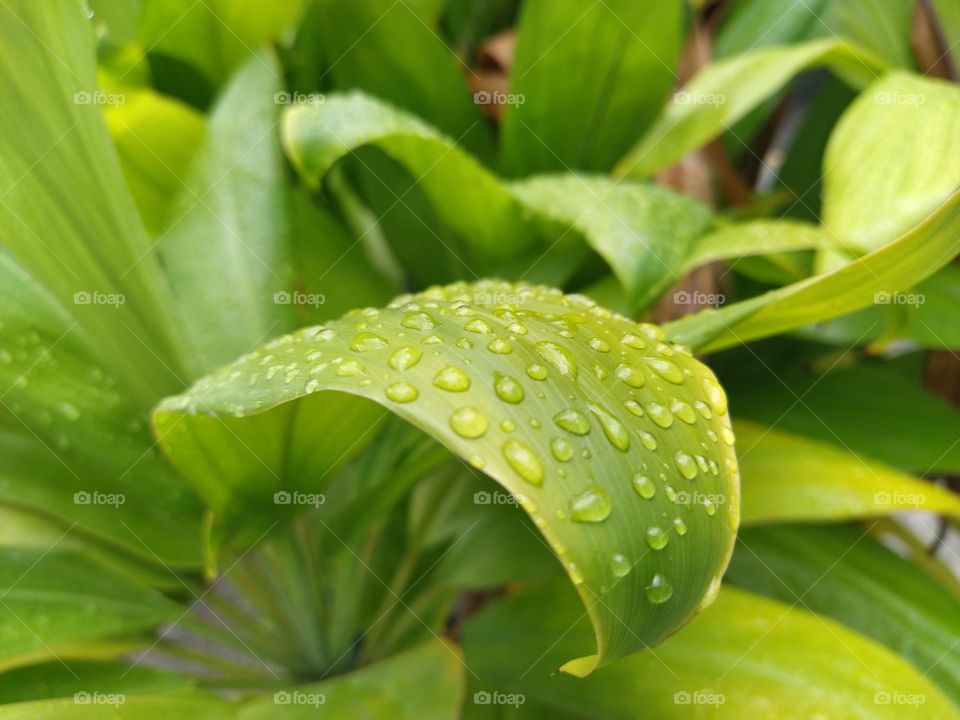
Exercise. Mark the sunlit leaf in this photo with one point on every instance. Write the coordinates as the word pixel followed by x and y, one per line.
pixel 590 420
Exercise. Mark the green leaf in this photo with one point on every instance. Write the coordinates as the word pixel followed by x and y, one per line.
pixel 579 103
pixel 66 214
pixel 787 477
pixel 156 138
pixel 52 599
pixel 425 682
pixel 756 237
pixel 425 78
pixel 541 391
pixel 745 657
pixel 148 707
pixel 897 266
pixel 897 147
pixel 843 573
pixel 724 91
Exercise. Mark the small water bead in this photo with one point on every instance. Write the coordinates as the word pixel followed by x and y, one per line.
pixel 314 355
pixel 712 435
pixel 572 421
pixel 367 341
pixel 634 407
pixel 599 372
pixel 703 409
pixel 350 368
pixel 561 449
pixel 523 461
pixel 468 422
pixel 685 464
pixel 652 332
pixel 592 505
pixel 710 505
pixel 535 424
pixel 463 343
pixel 683 411
pixel 517 328
pixel 679 526
pixel 432 340
pixel 575 575
pixel 714 468
pixel 500 346
pixel 478 326
pixel 311 386
pixel 537 372
pixel 644 486
pixel 68 411
pixel 620 565
pixel 452 379
pixel 648 440
pixel 667 369
pixel 630 376
pixel 404 358
pixel 670 493
pixel 702 463
pixel 325 335
pixel 659 414
pixel 656 538
pixel 559 357
pixel 726 434
pixel 715 395
pixel 659 590
pixel 273 371
pixel 402 392
pixel 478 461
pixel 664 349
pixel 508 425
pixel 599 345
pixel 633 341
pixel 613 429
pixel 507 388
pixel 463 310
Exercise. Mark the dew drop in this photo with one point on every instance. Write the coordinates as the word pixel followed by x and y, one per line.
pixel 350 368
pixel 508 425
pixel 559 357
pixel 419 321
pixel 679 526
pixel 452 379
pixel 517 329
pixel 634 407
pixel 630 376
pixel 648 440
pixel 656 538
pixel 683 411
pixel 561 449
pixel 537 372
pixel 659 414
pixel 478 326
pixel 703 409
pixel 726 434
pixel 685 464
pixel 432 340
pixel 402 392
pixel 507 388
pixel 613 429
pixel 659 590
pixel 599 345
pixel 404 357
pixel 572 421
pixel 631 340
pixel 523 461
pixel 311 386
pixel 599 372
pixel 500 346
pixel 592 505
pixel 366 341
pixel 667 369
pixel 463 343
pixel 68 411
pixel 468 422
pixel 715 395
pixel 644 486
pixel 620 565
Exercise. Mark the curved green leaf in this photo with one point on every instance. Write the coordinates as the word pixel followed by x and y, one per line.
pixel 745 657
pixel 589 419
pixel 756 237
pixel 896 266
pixel 789 477
pixel 897 147
pixel 724 91
pixel 843 573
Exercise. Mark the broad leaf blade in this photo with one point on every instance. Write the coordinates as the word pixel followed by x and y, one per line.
pixel 586 417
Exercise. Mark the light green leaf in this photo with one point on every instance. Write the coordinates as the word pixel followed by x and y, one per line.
pixel 897 266
pixel 896 148
pixel 843 573
pixel 52 600
pixel 756 237
pixel 576 103
pixel 156 137
pixel 745 657
pixel 66 214
pixel 425 682
pixel 724 91
pixel 558 400
pixel 787 478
